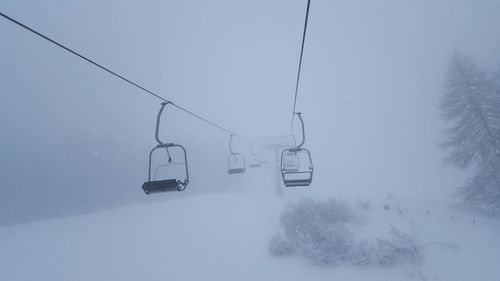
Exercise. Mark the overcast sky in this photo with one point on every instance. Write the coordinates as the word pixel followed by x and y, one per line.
pixel 74 138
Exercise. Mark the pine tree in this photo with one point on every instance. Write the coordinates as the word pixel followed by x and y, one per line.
pixel 472 103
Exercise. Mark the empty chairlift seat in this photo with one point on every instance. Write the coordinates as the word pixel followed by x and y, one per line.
pixel 296 167
pixel 236 163
pixel 254 158
pixel 296 163
pixel 178 183
pixel 161 185
pixel 171 184
pixel 254 161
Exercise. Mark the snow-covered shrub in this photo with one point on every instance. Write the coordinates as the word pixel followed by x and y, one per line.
pixel 320 232
pixel 363 254
pixel 316 230
pixel 405 246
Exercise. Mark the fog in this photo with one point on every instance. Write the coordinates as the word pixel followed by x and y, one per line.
pixel 74 139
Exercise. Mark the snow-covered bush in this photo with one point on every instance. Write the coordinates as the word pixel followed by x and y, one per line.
pixel 320 232
pixel 401 246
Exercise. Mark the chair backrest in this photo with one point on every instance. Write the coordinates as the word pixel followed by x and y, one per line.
pixel 166 184
pixel 236 163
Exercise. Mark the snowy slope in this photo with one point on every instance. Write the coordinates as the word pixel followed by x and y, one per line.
pixel 225 237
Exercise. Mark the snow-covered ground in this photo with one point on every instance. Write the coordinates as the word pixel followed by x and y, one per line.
pixel 226 236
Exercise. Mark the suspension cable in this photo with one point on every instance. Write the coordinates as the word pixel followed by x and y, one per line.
pixel 142 88
pixel 300 64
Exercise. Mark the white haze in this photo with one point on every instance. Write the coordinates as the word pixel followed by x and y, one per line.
pixel 74 139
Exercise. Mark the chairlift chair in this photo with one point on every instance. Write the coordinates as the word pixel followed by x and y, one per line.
pixel 254 161
pixel 296 163
pixel 254 158
pixel 235 161
pixel 171 184
pixel 296 167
